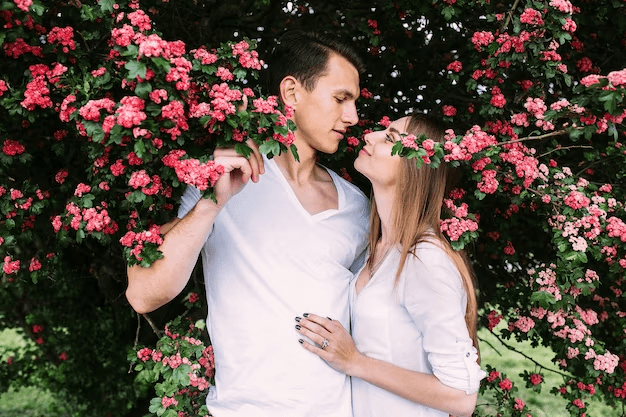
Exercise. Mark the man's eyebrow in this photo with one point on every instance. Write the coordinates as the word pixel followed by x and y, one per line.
pixel 345 92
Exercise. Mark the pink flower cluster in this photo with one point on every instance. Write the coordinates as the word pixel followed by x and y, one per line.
pixel 37 92
pixel 454 227
pixel 10 267
pixel 247 59
pixel 474 141
pixel 12 148
pixel 481 39
pixel 96 219
pixel 91 110
pixel 137 241
pixel 130 113
pixel 531 17
pixel 192 171
pixel 64 37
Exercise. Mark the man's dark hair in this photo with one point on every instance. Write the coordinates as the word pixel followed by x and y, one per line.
pixel 304 55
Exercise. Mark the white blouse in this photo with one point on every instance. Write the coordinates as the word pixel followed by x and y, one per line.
pixel 418 325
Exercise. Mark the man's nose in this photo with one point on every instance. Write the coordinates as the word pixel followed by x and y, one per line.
pixel 350 115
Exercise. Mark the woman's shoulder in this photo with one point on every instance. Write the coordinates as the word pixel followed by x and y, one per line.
pixel 430 264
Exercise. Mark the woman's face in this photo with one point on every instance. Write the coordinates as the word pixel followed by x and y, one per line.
pixel 375 160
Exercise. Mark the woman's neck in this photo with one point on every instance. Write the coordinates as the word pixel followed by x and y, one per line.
pixel 384 208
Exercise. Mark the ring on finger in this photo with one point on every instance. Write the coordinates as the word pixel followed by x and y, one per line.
pixel 324 343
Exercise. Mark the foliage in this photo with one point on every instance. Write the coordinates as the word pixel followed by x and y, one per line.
pixel 109 109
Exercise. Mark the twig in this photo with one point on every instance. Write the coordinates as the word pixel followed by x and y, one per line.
pixel 566 148
pixel 156 331
pixel 547 135
pixel 130 367
pixel 528 357
pixel 509 16
pixel 491 345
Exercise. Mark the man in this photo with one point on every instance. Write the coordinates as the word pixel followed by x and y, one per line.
pixel 275 248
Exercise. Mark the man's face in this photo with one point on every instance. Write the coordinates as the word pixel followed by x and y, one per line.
pixel 323 114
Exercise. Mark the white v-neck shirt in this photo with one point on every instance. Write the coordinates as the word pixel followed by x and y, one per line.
pixel 267 261
pixel 417 325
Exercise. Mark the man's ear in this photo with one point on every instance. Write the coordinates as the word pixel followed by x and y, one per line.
pixel 289 90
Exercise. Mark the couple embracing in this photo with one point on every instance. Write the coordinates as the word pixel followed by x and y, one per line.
pixel 320 303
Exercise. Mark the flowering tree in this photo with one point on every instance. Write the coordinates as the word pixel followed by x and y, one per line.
pixel 110 109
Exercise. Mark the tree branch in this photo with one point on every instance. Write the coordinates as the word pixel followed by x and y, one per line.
pixel 509 16
pixel 156 331
pixel 527 138
pixel 528 357
pixel 566 148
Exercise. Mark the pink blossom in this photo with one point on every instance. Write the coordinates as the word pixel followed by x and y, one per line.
pixel 506 384
pixel 81 189
pixel 536 379
pixel 519 404
pixel 167 401
pixel 449 111
pixel 454 66
pixel 140 19
pixel 12 148
pixel 139 179
pixel 564 6
pixel 617 78
pixel 480 39
pixel 531 17
pixel 524 324
pixel 23 5
pixel 576 200
pixel 10 266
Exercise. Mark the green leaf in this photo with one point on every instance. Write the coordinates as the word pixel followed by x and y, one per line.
pixel 243 149
pixel 270 147
pixel 135 69
pixel 543 298
pixel 143 89
pixel 106 5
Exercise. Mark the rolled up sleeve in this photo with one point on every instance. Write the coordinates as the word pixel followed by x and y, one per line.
pixel 435 298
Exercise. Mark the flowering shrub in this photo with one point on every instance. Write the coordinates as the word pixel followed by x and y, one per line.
pixel 109 109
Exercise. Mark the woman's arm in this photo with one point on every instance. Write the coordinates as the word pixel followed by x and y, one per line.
pixel 342 355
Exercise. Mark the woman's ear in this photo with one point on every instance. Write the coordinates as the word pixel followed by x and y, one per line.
pixel 289 91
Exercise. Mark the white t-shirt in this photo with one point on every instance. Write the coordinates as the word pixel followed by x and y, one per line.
pixel 418 325
pixel 267 261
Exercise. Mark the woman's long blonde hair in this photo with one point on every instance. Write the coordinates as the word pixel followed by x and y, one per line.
pixel 416 214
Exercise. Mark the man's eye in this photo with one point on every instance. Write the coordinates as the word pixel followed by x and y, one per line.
pixel 340 100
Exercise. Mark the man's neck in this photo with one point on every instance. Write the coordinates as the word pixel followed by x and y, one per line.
pixel 301 171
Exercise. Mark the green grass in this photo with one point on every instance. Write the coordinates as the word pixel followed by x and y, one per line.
pixel 34 402
pixel 25 401
pixel 542 404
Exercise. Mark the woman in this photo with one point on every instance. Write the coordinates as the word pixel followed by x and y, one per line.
pixel 413 304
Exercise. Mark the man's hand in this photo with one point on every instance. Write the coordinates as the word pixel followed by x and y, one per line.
pixel 237 171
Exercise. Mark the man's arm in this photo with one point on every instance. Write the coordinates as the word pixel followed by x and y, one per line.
pixel 150 288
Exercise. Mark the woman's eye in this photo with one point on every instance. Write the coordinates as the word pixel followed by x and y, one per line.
pixel 340 100
pixel 389 138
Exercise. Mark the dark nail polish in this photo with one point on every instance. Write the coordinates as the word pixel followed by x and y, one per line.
pixel 301 341
pixel 329 318
pixel 306 314
pixel 298 326
pixel 298 318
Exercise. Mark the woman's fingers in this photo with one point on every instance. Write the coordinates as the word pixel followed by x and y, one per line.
pixel 313 332
pixel 327 323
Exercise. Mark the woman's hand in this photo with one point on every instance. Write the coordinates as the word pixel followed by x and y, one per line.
pixel 339 350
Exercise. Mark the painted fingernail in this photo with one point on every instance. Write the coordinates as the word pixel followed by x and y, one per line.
pixel 298 319
pixel 298 326
pixel 329 318
pixel 301 341
pixel 306 314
